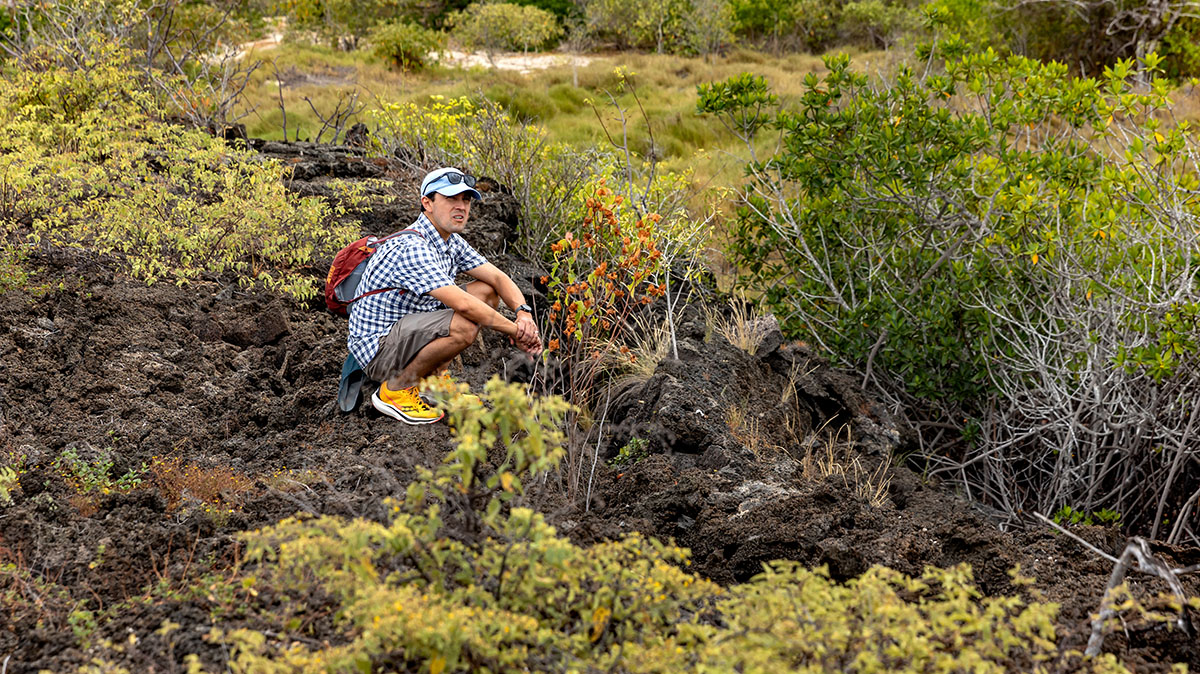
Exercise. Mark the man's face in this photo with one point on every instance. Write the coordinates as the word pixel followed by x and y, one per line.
pixel 448 214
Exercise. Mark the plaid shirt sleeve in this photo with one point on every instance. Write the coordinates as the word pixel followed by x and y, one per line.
pixel 465 257
pixel 414 267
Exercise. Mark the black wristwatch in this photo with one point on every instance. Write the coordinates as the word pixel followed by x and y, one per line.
pixel 526 308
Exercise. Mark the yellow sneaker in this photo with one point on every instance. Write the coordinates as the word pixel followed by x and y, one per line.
pixel 447 379
pixel 405 405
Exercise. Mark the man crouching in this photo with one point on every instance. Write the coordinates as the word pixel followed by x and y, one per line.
pixel 411 320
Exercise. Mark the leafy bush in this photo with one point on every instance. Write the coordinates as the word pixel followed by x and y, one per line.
pixel 640 24
pixel 406 45
pixel 709 26
pixel 179 51
pixel 343 23
pixel 805 24
pixel 1090 35
pixel 464 577
pixel 1181 49
pixel 85 162
pixel 565 10
pixel 9 482
pixel 545 178
pixel 878 23
pixel 496 26
pixel 1009 245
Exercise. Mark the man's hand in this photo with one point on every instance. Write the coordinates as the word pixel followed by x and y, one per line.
pixel 527 338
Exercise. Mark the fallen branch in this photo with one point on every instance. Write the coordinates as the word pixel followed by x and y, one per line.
pixel 1077 539
pixel 1137 548
pixel 1147 563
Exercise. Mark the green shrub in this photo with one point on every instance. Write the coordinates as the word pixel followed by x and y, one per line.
pixel 564 10
pixel 1008 245
pixel 462 576
pixel 639 24
pixel 343 23
pixel 763 20
pixel 1181 50
pixel 84 160
pixel 877 23
pixel 180 51
pixel 805 24
pixel 406 45
pixel 973 21
pixel 1088 37
pixel 496 26
pixel 708 27
pixel 546 178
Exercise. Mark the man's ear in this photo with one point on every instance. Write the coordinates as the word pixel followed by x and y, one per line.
pixel 427 203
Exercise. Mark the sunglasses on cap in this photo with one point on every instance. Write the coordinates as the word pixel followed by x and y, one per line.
pixel 452 177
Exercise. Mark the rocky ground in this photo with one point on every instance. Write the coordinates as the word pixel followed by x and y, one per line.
pixel 103 367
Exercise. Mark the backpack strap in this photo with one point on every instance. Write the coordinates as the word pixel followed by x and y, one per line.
pixel 393 235
pixel 389 237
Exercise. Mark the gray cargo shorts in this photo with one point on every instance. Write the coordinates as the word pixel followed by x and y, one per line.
pixel 407 337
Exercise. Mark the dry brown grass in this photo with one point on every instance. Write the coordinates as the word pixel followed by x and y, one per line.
pixel 746 327
pixel 746 428
pixel 867 485
pixel 217 488
pixel 650 345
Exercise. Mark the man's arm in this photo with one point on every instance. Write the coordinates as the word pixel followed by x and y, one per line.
pixel 522 332
pixel 527 335
pixel 500 282
pixel 473 308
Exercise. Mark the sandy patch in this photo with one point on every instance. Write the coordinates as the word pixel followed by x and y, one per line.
pixel 522 63
pixel 270 42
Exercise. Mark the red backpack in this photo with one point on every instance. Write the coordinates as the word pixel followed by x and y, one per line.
pixel 341 285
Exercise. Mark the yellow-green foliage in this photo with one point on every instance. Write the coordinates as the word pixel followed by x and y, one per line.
pixel 551 181
pixel 493 26
pixel 464 577
pixel 84 160
pixel 9 481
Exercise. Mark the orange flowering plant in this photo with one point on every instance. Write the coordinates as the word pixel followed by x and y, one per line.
pixel 608 263
pixel 600 273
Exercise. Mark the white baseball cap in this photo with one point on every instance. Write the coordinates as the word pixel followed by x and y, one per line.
pixel 448 182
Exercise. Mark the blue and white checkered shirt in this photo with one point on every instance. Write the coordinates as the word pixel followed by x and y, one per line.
pixel 417 264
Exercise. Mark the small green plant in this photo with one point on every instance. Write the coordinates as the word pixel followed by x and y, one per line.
pixel 92 480
pixel 1104 517
pixel 631 452
pixel 406 45
pixel 83 625
pixel 9 481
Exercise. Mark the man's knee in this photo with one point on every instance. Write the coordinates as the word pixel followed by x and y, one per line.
pixel 484 292
pixel 463 330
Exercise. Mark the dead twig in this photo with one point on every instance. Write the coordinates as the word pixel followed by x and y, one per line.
pixel 1077 539
pixel 1138 549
